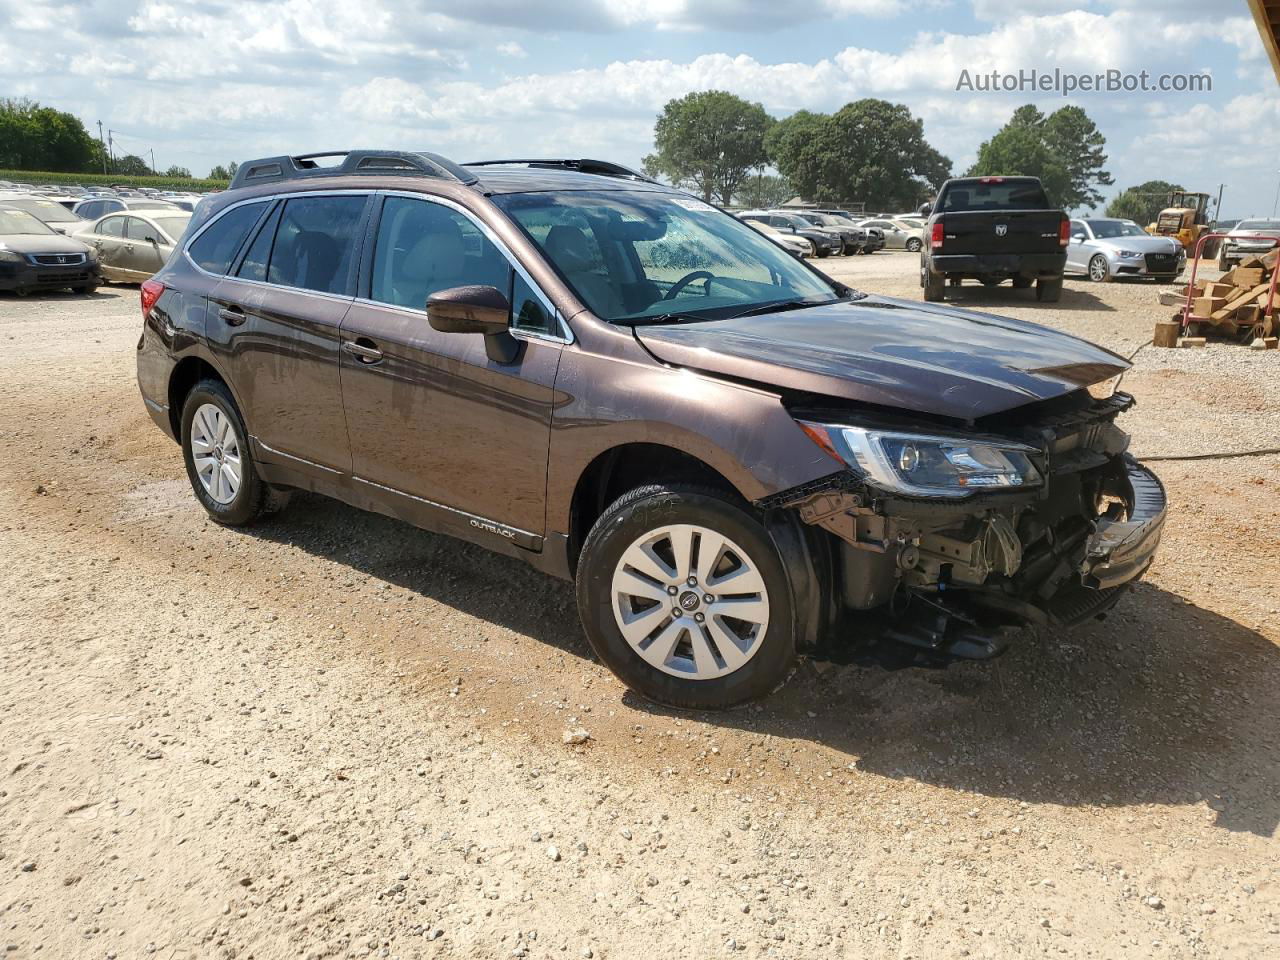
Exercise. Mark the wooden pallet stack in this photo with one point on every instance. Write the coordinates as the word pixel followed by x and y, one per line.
pixel 1233 306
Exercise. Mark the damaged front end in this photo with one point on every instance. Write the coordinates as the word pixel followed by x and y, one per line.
pixel 1037 516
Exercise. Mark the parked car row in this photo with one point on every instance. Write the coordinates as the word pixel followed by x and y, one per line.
pixel 101 239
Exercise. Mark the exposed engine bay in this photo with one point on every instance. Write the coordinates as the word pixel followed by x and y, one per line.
pixel 1057 554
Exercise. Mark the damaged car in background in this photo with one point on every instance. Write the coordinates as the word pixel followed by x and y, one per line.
pixel 737 459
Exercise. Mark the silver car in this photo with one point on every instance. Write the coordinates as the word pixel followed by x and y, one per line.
pixel 130 247
pixel 1235 247
pixel 898 234
pixel 1106 248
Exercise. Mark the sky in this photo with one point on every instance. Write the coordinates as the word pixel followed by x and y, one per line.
pixel 209 81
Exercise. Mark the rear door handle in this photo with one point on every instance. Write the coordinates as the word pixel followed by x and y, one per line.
pixel 363 350
pixel 232 316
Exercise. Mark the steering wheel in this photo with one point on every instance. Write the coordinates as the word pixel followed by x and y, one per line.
pixel 687 279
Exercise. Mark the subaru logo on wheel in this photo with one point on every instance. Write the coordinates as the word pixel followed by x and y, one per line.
pixel 1001 229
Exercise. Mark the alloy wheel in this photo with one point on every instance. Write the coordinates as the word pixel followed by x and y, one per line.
pixel 690 602
pixel 215 449
pixel 1098 269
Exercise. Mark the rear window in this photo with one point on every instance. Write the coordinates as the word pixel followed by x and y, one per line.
pixel 50 211
pixel 215 249
pixel 1006 195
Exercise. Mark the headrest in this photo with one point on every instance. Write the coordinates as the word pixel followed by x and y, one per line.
pixel 569 249
pixel 437 254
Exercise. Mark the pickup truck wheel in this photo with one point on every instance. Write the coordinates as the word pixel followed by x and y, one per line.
pixel 683 595
pixel 1099 269
pixel 914 245
pixel 1049 291
pixel 935 285
pixel 219 460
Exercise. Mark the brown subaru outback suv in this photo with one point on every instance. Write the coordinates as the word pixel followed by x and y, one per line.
pixel 735 457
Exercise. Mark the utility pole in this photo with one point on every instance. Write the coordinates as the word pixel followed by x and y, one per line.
pixel 1217 210
pixel 153 162
pixel 1276 202
pixel 111 145
pixel 102 143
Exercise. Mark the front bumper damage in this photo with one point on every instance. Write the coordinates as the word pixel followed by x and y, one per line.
pixel 1055 556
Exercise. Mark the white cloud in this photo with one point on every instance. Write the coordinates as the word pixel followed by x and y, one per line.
pixel 512 49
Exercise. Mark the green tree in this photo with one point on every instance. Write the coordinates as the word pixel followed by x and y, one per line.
pixel 131 166
pixel 869 150
pixel 224 173
pixel 765 190
pixel 1142 203
pixel 1065 150
pixel 33 137
pixel 710 139
pixel 180 172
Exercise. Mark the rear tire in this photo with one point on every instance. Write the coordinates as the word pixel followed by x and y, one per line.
pixel 914 245
pixel 219 459
pixel 935 285
pixel 665 548
pixel 1049 291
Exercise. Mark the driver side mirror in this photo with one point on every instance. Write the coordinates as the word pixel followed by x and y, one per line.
pixel 1078 237
pixel 476 309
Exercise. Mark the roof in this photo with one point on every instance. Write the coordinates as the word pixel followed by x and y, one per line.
pixel 494 179
pixel 1266 14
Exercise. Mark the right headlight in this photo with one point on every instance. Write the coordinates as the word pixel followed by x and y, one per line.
pixel 10 256
pixel 920 465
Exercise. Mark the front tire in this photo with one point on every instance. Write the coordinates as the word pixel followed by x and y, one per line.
pixel 220 465
pixel 683 595
pixel 1099 269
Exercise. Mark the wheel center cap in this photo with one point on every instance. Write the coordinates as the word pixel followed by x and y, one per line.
pixel 217 453
pixel 690 600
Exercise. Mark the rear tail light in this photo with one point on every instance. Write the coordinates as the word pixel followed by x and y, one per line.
pixel 1064 233
pixel 151 290
pixel 935 239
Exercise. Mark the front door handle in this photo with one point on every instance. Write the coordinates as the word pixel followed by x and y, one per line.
pixel 363 350
pixel 232 316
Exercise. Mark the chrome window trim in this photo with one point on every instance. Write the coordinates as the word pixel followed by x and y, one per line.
pixel 566 337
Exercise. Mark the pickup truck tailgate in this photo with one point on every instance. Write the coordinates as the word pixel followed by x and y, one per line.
pixel 1001 231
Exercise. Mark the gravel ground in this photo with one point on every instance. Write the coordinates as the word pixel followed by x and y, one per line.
pixel 335 736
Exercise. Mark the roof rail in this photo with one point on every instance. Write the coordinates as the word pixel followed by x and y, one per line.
pixel 604 168
pixel 352 163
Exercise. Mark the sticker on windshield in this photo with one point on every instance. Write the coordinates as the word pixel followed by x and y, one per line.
pixel 689 203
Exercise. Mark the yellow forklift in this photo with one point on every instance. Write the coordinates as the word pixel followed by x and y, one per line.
pixel 1185 219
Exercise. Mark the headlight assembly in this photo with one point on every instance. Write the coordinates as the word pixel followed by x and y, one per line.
pixel 10 256
pixel 919 465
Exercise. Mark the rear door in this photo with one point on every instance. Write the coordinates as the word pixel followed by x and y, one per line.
pixel 431 417
pixel 274 322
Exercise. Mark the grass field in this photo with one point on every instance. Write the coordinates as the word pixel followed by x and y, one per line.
pixel 85 179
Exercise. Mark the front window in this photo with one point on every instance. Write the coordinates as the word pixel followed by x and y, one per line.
pixel 636 255
pixel 14 222
pixel 1110 229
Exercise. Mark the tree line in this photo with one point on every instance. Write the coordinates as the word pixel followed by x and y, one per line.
pixel 871 150
pixel 41 139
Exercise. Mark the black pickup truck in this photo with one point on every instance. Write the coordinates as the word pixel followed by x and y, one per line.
pixel 993 229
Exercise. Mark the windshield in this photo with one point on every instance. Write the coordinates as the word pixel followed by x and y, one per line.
pixel 13 221
pixel 632 255
pixel 1107 229
pixel 49 211
pixel 1255 225
pixel 173 224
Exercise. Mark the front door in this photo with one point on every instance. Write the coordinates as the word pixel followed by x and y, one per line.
pixel 108 243
pixel 274 322
pixel 430 416
pixel 141 249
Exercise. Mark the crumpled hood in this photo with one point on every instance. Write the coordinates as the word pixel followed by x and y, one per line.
pixel 41 243
pixel 910 356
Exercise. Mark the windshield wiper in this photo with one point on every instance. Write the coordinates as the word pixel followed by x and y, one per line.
pixel 662 318
pixel 778 306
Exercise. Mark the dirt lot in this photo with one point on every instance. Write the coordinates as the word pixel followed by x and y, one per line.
pixel 337 736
